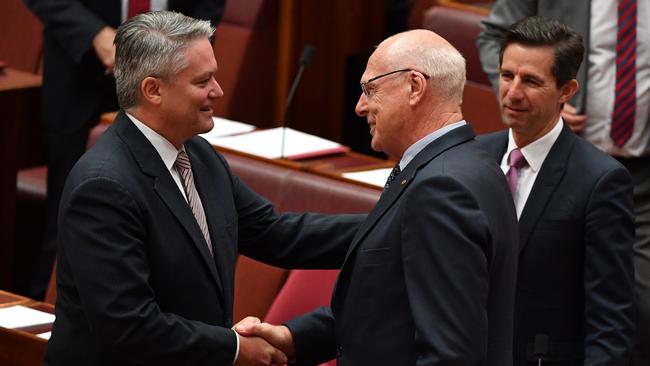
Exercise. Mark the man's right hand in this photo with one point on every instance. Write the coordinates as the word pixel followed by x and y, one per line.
pixel 257 351
pixel 104 47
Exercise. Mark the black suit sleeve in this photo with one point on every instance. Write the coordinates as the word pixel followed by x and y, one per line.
pixel 290 240
pixel 70 23
pixel 105 255
pixel 608 270
pixel 313 336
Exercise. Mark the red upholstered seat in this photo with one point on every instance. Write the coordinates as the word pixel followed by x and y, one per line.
pixel 460 25
pixel 460 28
pixel 305 290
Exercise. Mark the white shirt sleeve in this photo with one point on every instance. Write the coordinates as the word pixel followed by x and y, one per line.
pixel 237 349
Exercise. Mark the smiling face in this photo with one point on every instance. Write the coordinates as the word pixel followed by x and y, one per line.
pixel 186 100
pixel 530 100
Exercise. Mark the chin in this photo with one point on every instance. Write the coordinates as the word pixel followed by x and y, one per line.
pixel 375 145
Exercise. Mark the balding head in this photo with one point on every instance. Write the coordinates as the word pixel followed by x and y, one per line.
pixel 429 53
pixel 413 85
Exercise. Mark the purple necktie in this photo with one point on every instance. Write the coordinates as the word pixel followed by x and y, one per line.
pixel 516 161
pixel 625 90
pixel 185 169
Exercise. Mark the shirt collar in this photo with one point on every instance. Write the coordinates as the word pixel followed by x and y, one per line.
pixel 419 145
pixel 535 152
pixel 165 149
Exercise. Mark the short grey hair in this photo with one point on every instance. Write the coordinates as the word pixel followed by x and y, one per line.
pixel 153 44
pixel 443 64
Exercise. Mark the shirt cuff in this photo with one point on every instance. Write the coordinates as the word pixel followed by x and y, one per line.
pixel 237 349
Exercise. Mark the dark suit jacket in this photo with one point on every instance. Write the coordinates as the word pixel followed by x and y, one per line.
pixel 136 282
pixel 430 276
pixel 75 87
pixel 575 275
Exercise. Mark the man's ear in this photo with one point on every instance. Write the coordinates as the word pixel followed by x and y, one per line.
pixel 417 83
pixel 150 90
pixel 568 90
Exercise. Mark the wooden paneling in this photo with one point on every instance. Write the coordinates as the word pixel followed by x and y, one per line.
pixel 21 40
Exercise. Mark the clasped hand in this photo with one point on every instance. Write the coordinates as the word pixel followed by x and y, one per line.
pixel 263 343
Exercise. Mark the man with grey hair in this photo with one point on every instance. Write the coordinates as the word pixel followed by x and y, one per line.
pixel 430 276
pixel 152 219
pixel 78 86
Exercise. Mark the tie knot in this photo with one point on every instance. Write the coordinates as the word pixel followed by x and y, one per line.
pixel 393 173
pixel 183 161
pixel 516 159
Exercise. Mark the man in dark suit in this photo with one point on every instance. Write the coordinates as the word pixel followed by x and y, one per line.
pixel 430 276
pixel 78 85
pixel 576 226
pixel 152 219
pixel 606 26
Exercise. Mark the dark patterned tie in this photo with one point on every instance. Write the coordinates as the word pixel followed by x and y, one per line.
pixel 393 173
pixel 516 161
pixel 138 7
pixel 625 92
pixel 185 170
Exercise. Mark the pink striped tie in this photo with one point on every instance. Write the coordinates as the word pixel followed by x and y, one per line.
pixel 516 161
pixel 625 92
pixel 185 170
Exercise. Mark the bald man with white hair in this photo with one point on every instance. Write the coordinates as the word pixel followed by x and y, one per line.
pixel 430 276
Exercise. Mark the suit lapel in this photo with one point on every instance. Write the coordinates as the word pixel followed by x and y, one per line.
pixel 151 164
pixel 404 179
pixel 547 181
pixel 210 191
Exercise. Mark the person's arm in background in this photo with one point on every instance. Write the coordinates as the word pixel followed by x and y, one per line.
pixel 78 29
pixel 74 26
pixel 503 14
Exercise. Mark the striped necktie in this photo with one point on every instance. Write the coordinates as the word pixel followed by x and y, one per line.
pixel 625 91
pixel 184 168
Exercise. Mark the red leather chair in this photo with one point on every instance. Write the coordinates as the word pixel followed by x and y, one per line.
pixel 480 106
pixel 245 46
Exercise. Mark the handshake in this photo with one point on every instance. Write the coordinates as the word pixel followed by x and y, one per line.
pixel 263 343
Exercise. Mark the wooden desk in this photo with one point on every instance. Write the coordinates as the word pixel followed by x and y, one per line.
pixel 21 347
pixel 327 165
pixel 19 147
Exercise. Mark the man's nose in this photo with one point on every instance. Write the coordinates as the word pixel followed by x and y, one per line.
pixel 362 106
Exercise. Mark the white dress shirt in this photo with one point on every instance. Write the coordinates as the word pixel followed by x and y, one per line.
pixel 535 154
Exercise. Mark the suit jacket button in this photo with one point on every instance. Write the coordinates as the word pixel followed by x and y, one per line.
pixel 339 351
